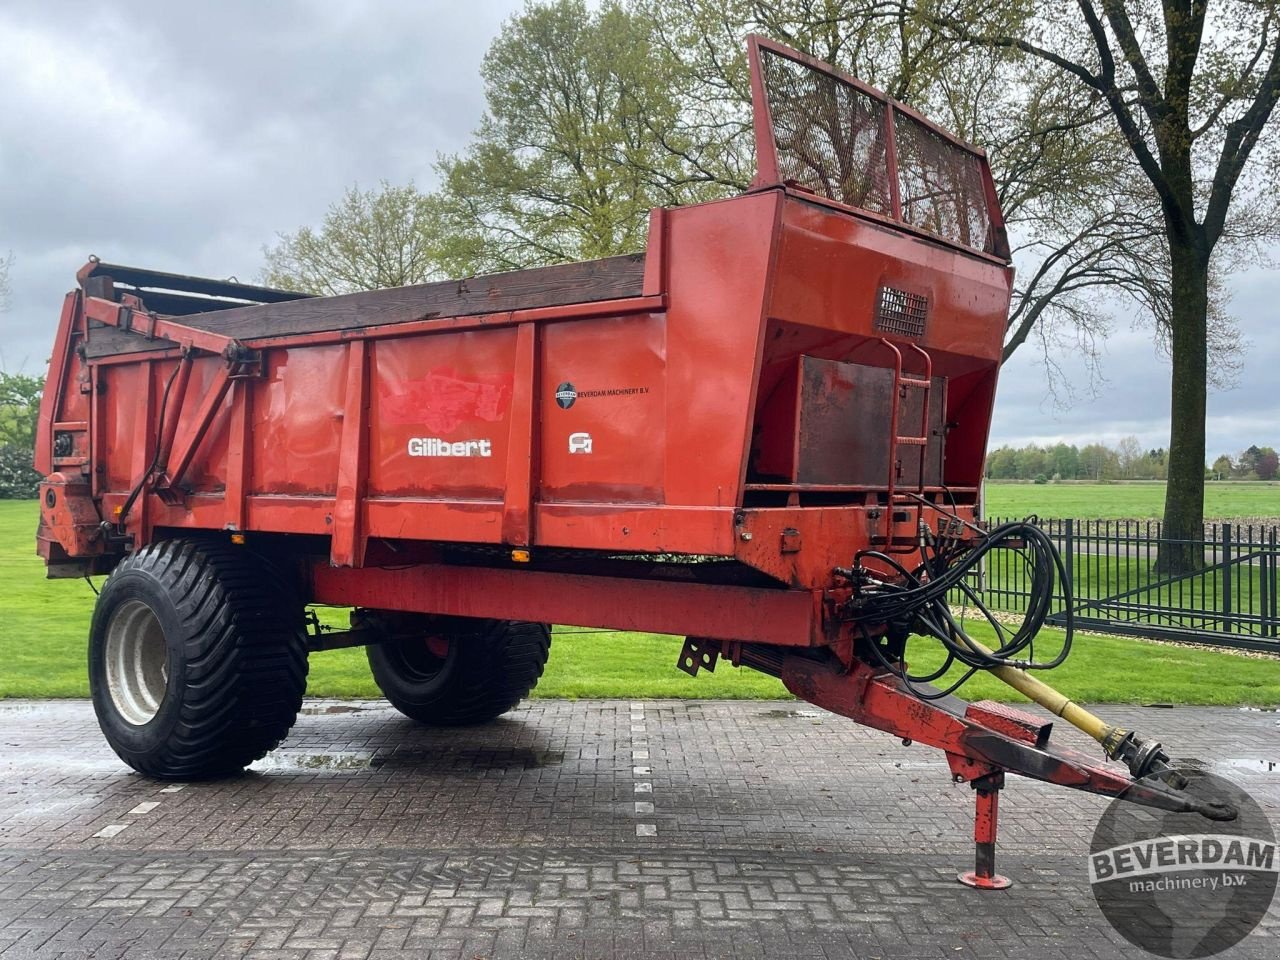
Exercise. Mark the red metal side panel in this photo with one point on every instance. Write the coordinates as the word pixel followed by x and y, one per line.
pixel 127 424
pixel 602 402
pixel 720 259
pixel 787 617
pixel 62 399
pixel 208 470
pixel 831 267
pixel 831 270
pixel 438 411
pixel 125 385
pixel 297 421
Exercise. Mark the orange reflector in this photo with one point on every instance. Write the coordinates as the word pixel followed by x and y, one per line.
pixel 238 539
pixel 520 556
pixel 119 510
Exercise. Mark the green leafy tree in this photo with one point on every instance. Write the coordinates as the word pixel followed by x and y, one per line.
pixel 1065 461
pixel 1099 462
pixel 573 150
pixel 1192 97
pixel 1222 468
pixel 1247 462
pixel 19 410
pixel 1002 464
pixel 370 239
pixel 1032 461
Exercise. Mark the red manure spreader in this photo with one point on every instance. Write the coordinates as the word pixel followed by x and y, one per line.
pixel 765 434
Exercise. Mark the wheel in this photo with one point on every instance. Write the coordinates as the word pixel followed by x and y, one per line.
pixel 456 671
pixel 197 659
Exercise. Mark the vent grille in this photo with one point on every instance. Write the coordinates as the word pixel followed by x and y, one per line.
pixel 900 312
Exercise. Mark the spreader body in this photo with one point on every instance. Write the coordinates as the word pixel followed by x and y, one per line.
pixel 697 439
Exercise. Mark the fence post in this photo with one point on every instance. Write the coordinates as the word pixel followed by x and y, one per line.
pixel 1069 547
pixel 1259 548
pixel 1275 583
pixel 1226 578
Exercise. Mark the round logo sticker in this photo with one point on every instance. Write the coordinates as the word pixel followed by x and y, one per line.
pixel 1179 884
pixel 565 395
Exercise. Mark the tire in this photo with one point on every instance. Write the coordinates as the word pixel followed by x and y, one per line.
pixel 456 671
pixel 197 663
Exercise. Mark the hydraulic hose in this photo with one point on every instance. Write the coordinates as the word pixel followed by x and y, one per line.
pixel 917 601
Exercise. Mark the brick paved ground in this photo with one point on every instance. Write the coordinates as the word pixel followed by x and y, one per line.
pixel 591 829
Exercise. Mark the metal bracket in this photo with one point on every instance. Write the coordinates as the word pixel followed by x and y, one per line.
pixel 697 654
pixel 244 363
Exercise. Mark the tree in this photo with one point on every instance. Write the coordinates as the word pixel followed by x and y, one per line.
pixel 1002 464
pixel 1065 461
pixel 1099 462
pixel 1267 465
pixel 19 409
pixel 1192 101
pixel 1222 468
pixel 1129 454
pixel 1247 462
pixel 369 239
pixel 1032 461
pixel 576 144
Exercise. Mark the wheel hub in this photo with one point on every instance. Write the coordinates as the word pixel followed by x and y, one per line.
pixel 137 661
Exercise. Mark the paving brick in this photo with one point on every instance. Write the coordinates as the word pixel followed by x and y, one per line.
pixel 777 832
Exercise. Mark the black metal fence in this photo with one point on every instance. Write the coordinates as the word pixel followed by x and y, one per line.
pixel 1118 586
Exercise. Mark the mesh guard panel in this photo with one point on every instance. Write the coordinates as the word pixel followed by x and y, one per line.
pixel 941 185
pixel 830 136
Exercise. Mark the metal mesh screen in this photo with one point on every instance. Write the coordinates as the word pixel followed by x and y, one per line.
pixel 940 185
pixel 830 136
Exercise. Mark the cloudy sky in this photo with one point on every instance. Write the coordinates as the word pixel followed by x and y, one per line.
pixel 183 137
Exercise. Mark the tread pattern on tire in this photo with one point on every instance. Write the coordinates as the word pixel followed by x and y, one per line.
pixel 246 667
pixel 498 663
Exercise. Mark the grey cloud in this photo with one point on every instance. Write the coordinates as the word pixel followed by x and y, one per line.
pixel 183 137
pixel 1133 399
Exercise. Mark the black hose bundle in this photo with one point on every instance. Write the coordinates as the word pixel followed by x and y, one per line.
pixel 916 602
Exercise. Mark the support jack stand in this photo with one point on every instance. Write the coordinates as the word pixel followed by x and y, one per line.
pixel 983 876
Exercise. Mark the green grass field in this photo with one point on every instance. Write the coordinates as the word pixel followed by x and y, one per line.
pixel 1223 500
pixel 44 625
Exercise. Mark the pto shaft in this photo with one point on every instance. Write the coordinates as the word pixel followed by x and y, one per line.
pixel 1142 756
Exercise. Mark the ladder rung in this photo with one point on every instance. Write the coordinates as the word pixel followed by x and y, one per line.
pixel 913 382
pixel 913 441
